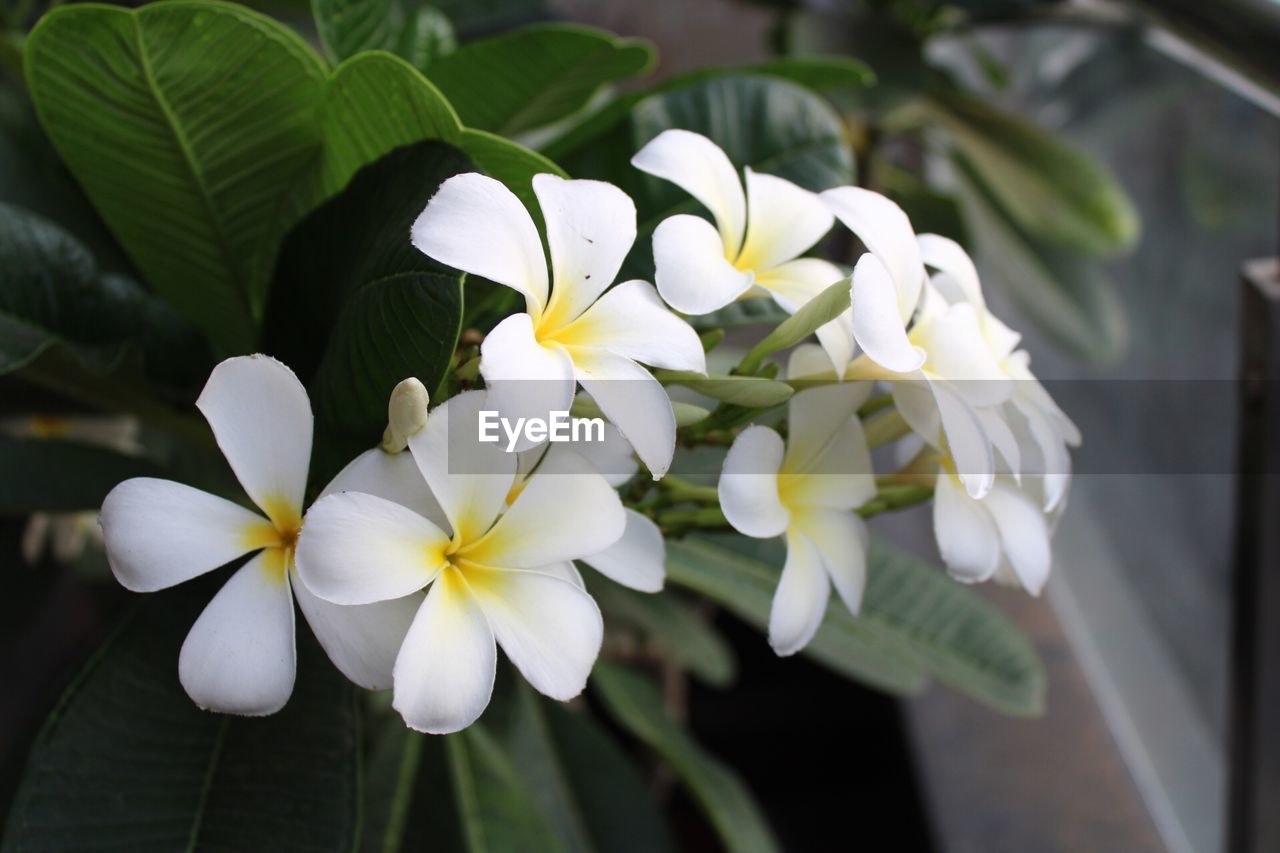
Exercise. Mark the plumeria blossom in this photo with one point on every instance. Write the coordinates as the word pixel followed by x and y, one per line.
pixel 491 569
pixel 638 559
pixel 761 231
pixel 240 655
pixel 574 328
pixel 807 490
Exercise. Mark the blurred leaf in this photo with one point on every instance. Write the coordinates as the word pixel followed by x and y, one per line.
pixel 745 586
pixel 138 104
pixel 744 312
pixel 912 615
pixel 817 312
pixel 930 211
pixel 1071 298
pixel 637 706
pixel 474 18
pixel 349 27
pixel 671 625
pixel 356 308
pixel 496 807
pixel 53 475
pixel 750 391
pixel 534 76
pixel 826 74
pixel 426 35
pixel 580 779
pixel 767 123
pixel 127 760
pixel 1051 191
pixel 53 294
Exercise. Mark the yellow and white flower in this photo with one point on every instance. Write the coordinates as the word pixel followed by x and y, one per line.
pixel 490 569
pixel 240 655
pixel 755 247
pixel 806 489
pixel 575 328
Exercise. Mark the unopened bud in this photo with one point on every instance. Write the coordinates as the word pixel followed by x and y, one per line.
pixel 406 414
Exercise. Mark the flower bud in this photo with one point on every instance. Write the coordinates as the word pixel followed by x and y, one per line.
pixel 406 414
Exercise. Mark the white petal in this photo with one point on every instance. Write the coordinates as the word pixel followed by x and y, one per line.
pixel 550 628
pixel 590 228
pixel 749 484
pixel 913 398
pixel 886 232
pixel 159 533
pixel 698 166
pixel 566 571
pixel 967 537
pixel 783 221
pixel 837 476
pixel 690 267
pixel 261 417
pixel 841 541
pixel 631 321
pixel 565 511
pixel 444 673
pixel 966 440
pixel 638 559
pixel 1001 436
pixel 471 480
pixel 475 224
pixel 1024 535
pixel 633 401
pixel 814 415
pixel 613 458
pixel 960 277
pixel 239 657
pixel 800 601
pixel 795 283
pixel 958 353
pixel 525 378
pixel 358 549
pixel 878 327
pixel 393 476
pixel 362 640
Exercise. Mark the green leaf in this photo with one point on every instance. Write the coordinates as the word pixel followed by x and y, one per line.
pixel 1051 191
pixel 637 706
pixel 745 586
pixel 835 75
pixel 54 294
pixel 426 35
pixel 763 122
pixel 749 391
pixel 912 616
pixel 496 807
pixel 347 27
pixel 669 624
pixel 356 308
pixel 127 761
pixel 535 75
pixel 1069 297
pixel 140 105
pixel 817 312
pixel 930 211
pixel 580 779
pixel 744 312
pixel 375 103
pixel 53 475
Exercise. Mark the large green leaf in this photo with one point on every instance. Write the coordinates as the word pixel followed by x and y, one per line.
pixel 637 706
pixel 763 122
pixel 375 103
pixel 534 76
pixel 356 308
pixel 914 620
pixel 53 293
pixel 1070 297
pixel 128 762
pixel 1051 191
pixel 185 122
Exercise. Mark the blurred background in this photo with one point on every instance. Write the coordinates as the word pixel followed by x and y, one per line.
pixel 1160 629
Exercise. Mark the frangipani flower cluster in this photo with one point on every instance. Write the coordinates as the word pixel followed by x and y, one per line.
pixel 428 553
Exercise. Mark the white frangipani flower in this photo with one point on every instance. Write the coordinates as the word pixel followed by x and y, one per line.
pixel 239 656
pixel 1004 535
pixel 757 241
pixel 491 577
pixel 806 490
pixel 577 329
